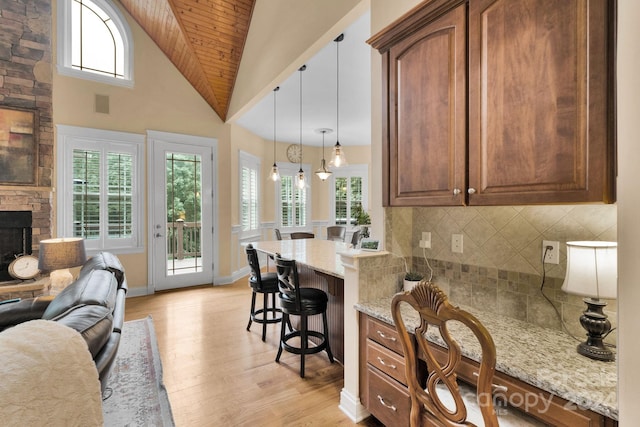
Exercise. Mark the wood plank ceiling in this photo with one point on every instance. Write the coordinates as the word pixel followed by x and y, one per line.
pixel 204 39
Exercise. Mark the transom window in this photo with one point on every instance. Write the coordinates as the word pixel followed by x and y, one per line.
pixel 94 42
pixel 99 194
pixel 293 203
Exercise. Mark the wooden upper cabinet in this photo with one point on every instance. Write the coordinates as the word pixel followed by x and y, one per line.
pixel 536 97
pixel 540 128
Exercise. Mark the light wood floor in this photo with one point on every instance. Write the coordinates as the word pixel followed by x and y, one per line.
pixel 218 374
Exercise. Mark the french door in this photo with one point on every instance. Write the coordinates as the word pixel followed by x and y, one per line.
pixel 181 210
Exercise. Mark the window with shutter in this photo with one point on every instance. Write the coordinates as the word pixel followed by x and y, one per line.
pixel 293 204
pixel 249 194
pixel 350 193
pixel 99 197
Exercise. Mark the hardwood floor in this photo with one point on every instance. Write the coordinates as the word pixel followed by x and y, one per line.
pixel 218 374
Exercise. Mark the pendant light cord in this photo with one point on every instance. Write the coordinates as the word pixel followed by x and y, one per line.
pixel 304 67
pixel 338 40
pixel 274 123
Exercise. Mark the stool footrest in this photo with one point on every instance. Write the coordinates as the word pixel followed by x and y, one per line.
pixel 316 348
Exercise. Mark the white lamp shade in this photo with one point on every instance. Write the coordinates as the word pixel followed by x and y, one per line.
pixel 592 269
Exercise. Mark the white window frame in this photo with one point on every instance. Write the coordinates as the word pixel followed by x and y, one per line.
pixel 64 45
pixel 249 161
pixel 349 171
pixel 70 138
pixel 291 169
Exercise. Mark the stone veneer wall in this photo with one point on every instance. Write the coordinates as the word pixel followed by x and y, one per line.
pixel 26 83
pixel 500 268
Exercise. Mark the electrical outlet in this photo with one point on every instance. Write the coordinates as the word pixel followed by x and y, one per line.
pixel 425 242
pixel 456 243
pixel 551 256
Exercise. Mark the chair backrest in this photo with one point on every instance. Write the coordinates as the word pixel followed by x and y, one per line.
pixel 288 281
pixel 433 309
pixel 302 235
pixel 355 239
pixel 336 232
pixel 278 235
pixel 254 264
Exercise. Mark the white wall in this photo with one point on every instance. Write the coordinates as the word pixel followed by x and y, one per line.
pixel 628 211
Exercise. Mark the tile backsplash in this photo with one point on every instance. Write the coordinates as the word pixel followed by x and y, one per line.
pixel 500 268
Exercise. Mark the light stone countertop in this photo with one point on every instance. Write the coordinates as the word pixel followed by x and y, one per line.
pixel 544 358
pixel 318 254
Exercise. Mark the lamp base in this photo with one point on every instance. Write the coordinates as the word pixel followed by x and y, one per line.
pixel 597 325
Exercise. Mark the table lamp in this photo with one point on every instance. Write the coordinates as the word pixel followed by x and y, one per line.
pixel 57 256
pixel 592 273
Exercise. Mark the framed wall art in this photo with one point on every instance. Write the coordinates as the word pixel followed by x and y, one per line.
pixel 18 146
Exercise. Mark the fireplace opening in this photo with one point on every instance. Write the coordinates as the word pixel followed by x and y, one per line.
pixel 15 238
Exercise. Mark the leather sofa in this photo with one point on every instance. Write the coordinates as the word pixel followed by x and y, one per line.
pixel 93 305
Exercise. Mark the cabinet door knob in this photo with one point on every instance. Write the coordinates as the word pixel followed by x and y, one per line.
pixel 456 191
pixel 471 190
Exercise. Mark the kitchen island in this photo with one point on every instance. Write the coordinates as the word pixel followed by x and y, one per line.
pixel 349 276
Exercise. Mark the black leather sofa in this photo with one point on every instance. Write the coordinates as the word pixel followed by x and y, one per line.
pixel 93 305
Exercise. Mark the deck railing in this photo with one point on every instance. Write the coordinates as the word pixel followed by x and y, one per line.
pixel 183 239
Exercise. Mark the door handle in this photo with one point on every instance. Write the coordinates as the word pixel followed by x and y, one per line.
pixel 158 235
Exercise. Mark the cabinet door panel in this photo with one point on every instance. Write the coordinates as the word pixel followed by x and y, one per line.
pixel 538 115
pixel 427 102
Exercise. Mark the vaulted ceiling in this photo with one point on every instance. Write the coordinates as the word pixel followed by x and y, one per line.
pixel 204 39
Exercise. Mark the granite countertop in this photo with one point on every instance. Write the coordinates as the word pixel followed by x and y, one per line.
pixel 544 358
pixel 320 255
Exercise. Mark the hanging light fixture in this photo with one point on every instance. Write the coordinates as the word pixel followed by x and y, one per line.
pixel 323 173
pixel 338 159
pixel 275 173
pixel 301 178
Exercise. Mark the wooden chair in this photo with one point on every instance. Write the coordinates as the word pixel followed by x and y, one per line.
pixel 302 235
pixel 336 232
pixel 441 399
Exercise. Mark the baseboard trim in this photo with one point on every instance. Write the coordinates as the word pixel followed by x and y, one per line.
pixel 351 405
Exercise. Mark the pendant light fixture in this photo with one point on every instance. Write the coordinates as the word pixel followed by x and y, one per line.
pixel 323 173
pixel 301 178
pixel 275 173
pixel 338 159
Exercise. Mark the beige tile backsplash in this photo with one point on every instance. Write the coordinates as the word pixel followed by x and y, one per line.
pixel 500 268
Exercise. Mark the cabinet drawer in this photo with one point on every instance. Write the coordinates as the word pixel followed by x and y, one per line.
pixel 387 361
pixel 383 334
pixel 388 400
pixel 550 409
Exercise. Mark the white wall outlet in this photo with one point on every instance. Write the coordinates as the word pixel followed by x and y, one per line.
pixel 425 242
pixel 551 252
pixel 456 243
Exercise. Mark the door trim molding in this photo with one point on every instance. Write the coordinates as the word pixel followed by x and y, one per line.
pixel 153 137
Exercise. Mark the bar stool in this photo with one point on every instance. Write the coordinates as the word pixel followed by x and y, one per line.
pixel 302 235
pixel 336 232
pixel 265 284
pixel 303 302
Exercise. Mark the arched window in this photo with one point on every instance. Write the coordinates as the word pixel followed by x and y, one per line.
pixel 94 42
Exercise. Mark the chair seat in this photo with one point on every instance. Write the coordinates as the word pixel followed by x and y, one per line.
pixel 269 283
pixel 507 416
pixel 312 301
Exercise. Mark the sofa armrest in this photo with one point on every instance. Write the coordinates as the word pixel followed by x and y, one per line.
pixel 22 311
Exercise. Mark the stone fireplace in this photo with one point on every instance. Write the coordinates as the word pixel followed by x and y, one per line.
pixel 25 83
pixel 15 238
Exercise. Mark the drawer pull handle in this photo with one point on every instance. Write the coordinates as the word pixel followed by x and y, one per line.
pixel 382 335
pixel 381 360
pixel 495 387
pixel 386 405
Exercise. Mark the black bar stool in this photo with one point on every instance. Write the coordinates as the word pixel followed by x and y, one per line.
pixel 265 284
pixel 303 302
